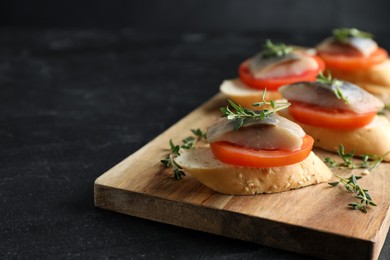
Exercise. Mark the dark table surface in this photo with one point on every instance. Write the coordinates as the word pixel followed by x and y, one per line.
pixel 73 103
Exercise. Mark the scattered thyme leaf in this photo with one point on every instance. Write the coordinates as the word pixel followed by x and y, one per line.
pixel 187 143
pixel 351 185
pixel 178 172
pixel 343 34
pixel 330 162
pixel 368 161
pixel 346 157
pixel 371 161
pixel 334 183
pixel 241 115
pixel 199 133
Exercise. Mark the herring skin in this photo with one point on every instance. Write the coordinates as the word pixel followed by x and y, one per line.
pixel 294 63
pixel 273 132
pixel 352 45
pixel 323 95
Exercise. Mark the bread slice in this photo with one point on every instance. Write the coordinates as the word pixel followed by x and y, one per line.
pixel 241 94
pixel 375 80
pixel 238 180
pixel 373 138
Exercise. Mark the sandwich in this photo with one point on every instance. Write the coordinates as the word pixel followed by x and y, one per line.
pixel 336 112
pixel 274 66
pixel 353 55
pixel 254 152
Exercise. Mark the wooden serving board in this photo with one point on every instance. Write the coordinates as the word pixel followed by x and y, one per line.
pixel 314 220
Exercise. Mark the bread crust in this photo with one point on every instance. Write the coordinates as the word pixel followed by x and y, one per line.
pixel 373 138
pixel 375 80
pixel 241 94
pixel 239 180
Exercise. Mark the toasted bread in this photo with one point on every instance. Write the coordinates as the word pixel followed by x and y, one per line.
pixel 244 95
pixel 375 80
pixel 373 138
pixel 238 180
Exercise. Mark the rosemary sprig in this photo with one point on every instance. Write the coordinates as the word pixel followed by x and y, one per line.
pixel 241 115
pixel 187 143
pixel 321 78
pixel 369 161
pixel 342 34
pixel 352 186
pixel 271 50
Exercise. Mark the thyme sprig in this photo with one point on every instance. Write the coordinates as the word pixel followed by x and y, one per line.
pixel 368 161
pixel 352 186
pixel 187 143
pixel 321 78
pixel 271 50
pixel 343 34
pixel 240 115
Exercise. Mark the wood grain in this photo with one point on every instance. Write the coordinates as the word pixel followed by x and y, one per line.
pixel 314 220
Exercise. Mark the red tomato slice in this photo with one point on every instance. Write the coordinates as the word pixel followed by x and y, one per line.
pixel 232 154
pixel 274 83
pixel 353 62
pixel 328 118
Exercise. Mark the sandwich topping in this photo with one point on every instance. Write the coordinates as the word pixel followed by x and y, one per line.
pixel 349 41
pixel 273 132
pixel 261 138
pixel 331 103
pixel 280 60
pixel 333 94
pixel 277 65
pixel 351 49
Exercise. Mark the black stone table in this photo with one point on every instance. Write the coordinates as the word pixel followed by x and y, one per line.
pixel 73 103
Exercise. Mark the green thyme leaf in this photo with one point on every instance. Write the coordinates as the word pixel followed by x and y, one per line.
pixel 334 183
pixel 187 143
pixel 351 185
pixel 339 94
pixel 368 161
pixel 238 122
pixel 178 172
pixel 240 115
pixel 330 162
pixel 346 157
pixel 271 50
pixel 372 203
pixel 321 78
pixel 166 162
pixel 199 133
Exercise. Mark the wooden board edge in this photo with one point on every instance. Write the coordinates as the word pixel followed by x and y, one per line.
pixel 235 225
pixel 381 236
